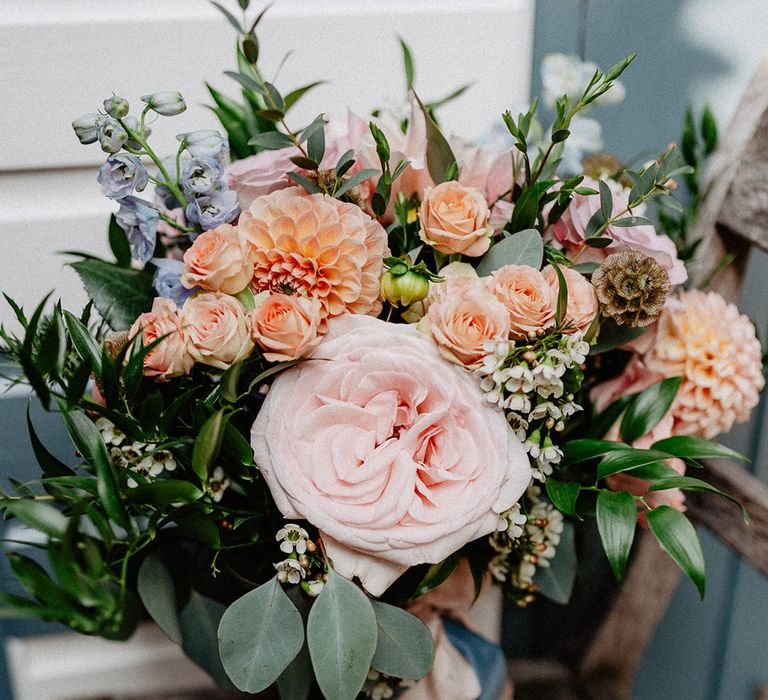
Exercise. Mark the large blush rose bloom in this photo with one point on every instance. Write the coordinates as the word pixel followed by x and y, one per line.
pixel 454 219
pixel 389 450
pixel 286 326
pixel 219 260
pixel 526 294
pixel 571 231
pixel 319 247
pixel 218 329
pixel 170 357
pixel 582 299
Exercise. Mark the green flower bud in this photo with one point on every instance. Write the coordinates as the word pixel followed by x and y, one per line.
pixel 87 127
pixel 403 289
pixel 112 136
pixel 116 107
pixel 169 104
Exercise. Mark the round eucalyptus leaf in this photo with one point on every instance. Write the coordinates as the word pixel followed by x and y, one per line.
pixel 404 646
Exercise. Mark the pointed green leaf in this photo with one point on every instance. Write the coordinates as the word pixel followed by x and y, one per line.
pixel 37 515
pixel 50 465
pixel 158 593
pixel 626 458
pixel 437 573
pixel 678 538
pixel 648 408
pixel 691 447
pixel 271 140
pixel 259 635
pixel 118 243
pixel 84 342
pixel 616 522
pixel 295 95
pixel 342 635
pixel 689 483
pixel 407 65
pixel 563 495
pixel 208 444
pixel 440 157
pixel 556 580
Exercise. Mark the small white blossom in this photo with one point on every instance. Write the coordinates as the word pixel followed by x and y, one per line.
pixel 218 483
pixel 290 571
pixel 112 434
pixel 292 538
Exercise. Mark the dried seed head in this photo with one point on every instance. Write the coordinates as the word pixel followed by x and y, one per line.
pixel 631 288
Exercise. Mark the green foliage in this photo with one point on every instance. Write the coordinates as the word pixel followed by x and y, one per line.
pixel 404 647
pixel 437 573
pixel 678 539
pixel 158 594
pixel 563 495
pixel 440 157
pixel 616 521
pixel 556 581
pixel 342 636
pixel 259 635
pixel 522 248
pixel 648 407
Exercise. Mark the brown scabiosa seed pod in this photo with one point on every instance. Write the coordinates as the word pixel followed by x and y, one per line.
pixel 631 288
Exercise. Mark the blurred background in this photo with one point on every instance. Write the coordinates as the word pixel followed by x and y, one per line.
pixel 60 58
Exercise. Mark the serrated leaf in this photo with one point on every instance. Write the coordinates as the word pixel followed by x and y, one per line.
pixel 120 295
pixel 158 594
pixel 616 521
pixel 259 635
pixel 556 580
pixel 563 495
pixel 678 538
pixel 342 636
pixel 404 646
pixel 648 408
pixel 522 248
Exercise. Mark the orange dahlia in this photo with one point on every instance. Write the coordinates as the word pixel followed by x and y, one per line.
pixel 317 246
pixel 715 349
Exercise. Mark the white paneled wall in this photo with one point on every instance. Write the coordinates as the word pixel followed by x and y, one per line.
pixel 60 58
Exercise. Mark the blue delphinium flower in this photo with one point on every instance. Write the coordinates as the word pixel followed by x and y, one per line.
pixel 201 175
pixel 112 136
pixel 212 210
pixel 206 143
pixel 122 174
pixel 167 281
pixel 139 221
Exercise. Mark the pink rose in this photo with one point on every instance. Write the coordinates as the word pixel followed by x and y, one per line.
pixel 170 357
pixel 261 174
pixel 582 298
pixel 527 296
pixel 218 329
pixel 571 231
pixel 387 449
pixel 286 326
pixel 462 323
pixel 219 261
pixel 454 219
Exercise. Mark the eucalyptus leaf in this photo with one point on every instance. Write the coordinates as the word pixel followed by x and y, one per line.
pixel 158 594
pixel 404 646
pixel 271 140
pixel 259 635
pixel 342 636
pixel 199 621
pixel 678 538
pixel 522 248
pixel 616 521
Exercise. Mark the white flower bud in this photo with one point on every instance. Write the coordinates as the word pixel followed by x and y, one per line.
pixel 116 107
pixel 169 104
pixel 87 127
pixel 112 136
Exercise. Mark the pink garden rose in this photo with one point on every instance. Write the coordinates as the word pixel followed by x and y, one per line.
pixel 261 174
pixel 218 329
pixel 389 450
pixel 219 260
pixel 462 323
pixel 571 231
pixel 526 294
pixel 170 357
pixel 582 298
pixel 286 326
pixel 454 219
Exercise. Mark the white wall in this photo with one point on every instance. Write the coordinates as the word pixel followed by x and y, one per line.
pixel 61 58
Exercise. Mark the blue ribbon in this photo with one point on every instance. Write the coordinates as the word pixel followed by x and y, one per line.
pixel 486 658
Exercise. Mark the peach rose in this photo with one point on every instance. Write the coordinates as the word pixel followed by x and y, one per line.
pixel 261 174
pixel 527 296
pixel 319 247
pixel 582 298
pixel 454 219
pixel 218 329
pixel 462 323
pixel 219 260
pixel 170 357
pixel 286 326
pixel 389 450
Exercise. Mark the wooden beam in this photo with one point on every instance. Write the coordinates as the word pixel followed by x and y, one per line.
pixel 721 516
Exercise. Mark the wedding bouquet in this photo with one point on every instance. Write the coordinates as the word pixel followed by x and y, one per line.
pixel 338 370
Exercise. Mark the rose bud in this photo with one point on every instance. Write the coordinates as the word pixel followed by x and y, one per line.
pixel 116 107
pixel 169 104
